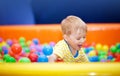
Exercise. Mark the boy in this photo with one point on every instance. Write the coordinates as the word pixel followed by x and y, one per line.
pixel 70 48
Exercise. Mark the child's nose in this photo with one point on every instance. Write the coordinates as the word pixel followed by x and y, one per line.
pixel 82 40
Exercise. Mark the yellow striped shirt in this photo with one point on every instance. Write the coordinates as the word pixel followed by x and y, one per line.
pixel 62 50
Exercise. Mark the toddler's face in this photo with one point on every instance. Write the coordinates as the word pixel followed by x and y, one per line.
pixel 76 39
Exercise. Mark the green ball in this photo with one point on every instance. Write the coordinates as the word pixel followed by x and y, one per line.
pixel 45 44
pixel 118 45
pixel 118 50
pixel 23 44
pixel 102 53
pixel 1 61
pixel 113 60
pixel 24 60
pixel 28 43
pixel 26 49
pixel 102 57
pixel 0 49
pixel 113 49
pixel 10 59
pixel 21 39
pixel 6 56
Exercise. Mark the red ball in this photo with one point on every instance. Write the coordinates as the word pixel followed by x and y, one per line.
pixel 96 52
pixel 33 57
pixel 93 44
pixel 33 51
pixel 59 60
pixel 11 53
pixel 86 45
pixel 108 61
pixel 16 48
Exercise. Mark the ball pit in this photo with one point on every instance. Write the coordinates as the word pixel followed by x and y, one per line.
pixel 105 34
pixel 37 52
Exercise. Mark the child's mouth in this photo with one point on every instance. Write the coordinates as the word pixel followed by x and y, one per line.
pixel 79 46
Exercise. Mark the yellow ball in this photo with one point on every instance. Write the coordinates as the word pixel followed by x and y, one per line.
pixel 105 48
pixel 92 53
pixel 98 47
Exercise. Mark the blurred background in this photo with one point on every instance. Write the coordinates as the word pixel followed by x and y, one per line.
pixel 53 11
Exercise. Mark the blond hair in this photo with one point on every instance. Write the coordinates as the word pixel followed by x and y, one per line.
pixel 72 23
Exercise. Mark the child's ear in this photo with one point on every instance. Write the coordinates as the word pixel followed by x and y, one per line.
pixel 65 36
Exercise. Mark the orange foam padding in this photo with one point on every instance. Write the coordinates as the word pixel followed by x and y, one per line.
pixel 108 33
pixel 104 33
pixel 45 33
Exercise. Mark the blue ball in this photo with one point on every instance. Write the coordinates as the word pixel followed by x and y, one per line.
pixel 5 49
pixel 42 58
pixel 110 57
pixel 94 59
pixel 87 50
pixel 47 50
pixel 36 41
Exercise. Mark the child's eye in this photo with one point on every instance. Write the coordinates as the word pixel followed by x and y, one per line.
pixel 84 37
pixel 78 38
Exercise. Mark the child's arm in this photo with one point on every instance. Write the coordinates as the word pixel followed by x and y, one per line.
pixel 54 58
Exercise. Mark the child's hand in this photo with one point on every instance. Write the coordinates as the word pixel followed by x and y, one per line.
pixel 59 60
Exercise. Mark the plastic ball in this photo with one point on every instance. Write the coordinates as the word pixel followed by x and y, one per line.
pixel 9 42
pixel 92 53
pixel 118 45
pixel 33 57
pixel 28 43
pixel 1 61
pixel 39 48
pixel 93 44
pixel 24 60
pixel 102 53
pixel 52 44
pixel 1 39
pixel 105 48
pixel 113 60
pixel 16 48
pixel 10 59
pixel 15 41
pixel 33 50
pixel 103 60
pixel 98 47
pixel 108 60
pixel 42 58
pixel 86 50
pixel 113 49
pixel 6 56
pixel 45 44
pixel 110 57
pixel 117 55
pixel 22 39
pixel 47 50
pixel 102 57
pixel 109 53
pixel 36 41
pixel 93 59
pixel 23 44
pixel 5 49
pixel 118 50
pixel 26 49
pixel 0 49
pixel 86 45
